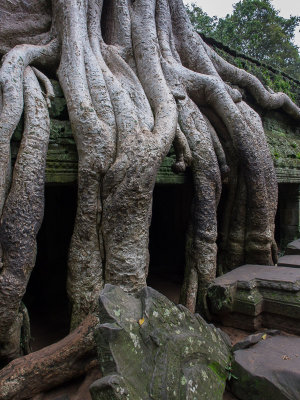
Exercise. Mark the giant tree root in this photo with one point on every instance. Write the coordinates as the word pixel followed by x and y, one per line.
pixel 51 366
pixel 135 76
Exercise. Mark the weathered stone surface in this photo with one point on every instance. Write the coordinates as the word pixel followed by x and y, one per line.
pixel 292 261
pixel 255 296
pixel 151 348
pixel 293 248
pixel 282 135
pixel 255 338
pixel 62 155
pixel 268 370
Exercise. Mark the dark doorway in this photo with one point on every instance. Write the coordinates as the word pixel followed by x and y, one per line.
pixel 287 218
pixel 170 213
pixel 46 296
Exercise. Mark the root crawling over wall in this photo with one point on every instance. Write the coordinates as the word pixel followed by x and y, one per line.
pixel 136 78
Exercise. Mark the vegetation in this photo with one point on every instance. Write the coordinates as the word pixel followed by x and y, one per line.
pixel 255 28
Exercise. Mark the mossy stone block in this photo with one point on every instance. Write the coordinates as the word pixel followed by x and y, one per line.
pixel 149 348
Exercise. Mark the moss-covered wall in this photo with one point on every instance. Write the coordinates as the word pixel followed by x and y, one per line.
pixel 62 154
pixel 283 136
pixel 276 80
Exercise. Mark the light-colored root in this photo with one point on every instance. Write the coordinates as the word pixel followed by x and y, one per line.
pixel 233 254
pixel 183 153
pixel 262 151
pixel 201 249
pixel 95 153
pixel 245 142
pixel 210 90
pixel 124 92
pixel 11 81
pixel 22 215
pixel 128 185
pixel 118 32
pixel 49 95
pixel 224 168
pixel 124 179
pixel 243 79
pixel 188 42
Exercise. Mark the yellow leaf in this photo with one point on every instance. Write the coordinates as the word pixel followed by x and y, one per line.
pixel 264 337
pixel 141 321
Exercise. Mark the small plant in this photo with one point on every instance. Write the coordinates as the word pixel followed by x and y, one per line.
pixel 230 374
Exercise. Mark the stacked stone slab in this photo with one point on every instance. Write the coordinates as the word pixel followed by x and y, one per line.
pixel 255 296
pixel 291 261
pixel 292 255
pixel 293 248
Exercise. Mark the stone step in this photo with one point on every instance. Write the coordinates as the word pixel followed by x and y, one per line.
pixel 255 296
pixel 293 248
pixel 267 369
pixel 292 261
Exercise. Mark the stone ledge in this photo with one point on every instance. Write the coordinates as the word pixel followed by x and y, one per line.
pixel 293 247
pixel 255 296
pixel 268 369
pixel 291 261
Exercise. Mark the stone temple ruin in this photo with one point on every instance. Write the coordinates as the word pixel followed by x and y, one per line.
pixel 172 196
pixel 250 298
pixel 148 347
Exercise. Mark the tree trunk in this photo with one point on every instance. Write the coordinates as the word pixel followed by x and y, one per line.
pixel 136 78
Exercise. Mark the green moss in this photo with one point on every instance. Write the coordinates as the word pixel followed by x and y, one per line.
pixel 273 79
pixel 218 370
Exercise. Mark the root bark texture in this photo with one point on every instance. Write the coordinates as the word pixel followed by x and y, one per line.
pixel 42 370
pixel 22 215
pixel 136 78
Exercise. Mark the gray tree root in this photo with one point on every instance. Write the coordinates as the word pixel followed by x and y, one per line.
pixel 22 215
pixel 136 78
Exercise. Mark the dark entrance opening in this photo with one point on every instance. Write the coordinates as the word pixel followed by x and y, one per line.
pixel 46 296
pixel 170 214
pixel 287 218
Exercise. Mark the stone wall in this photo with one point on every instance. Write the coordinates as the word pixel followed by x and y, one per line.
pixel 283 136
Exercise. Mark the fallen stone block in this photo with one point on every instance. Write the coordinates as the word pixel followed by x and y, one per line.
pixel 149 348
pixel 255 296
pixel 293 248
pixel 267 370
pixel 292 261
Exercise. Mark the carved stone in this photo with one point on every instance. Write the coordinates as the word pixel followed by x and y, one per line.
pixel 149 348
pixel 255 296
